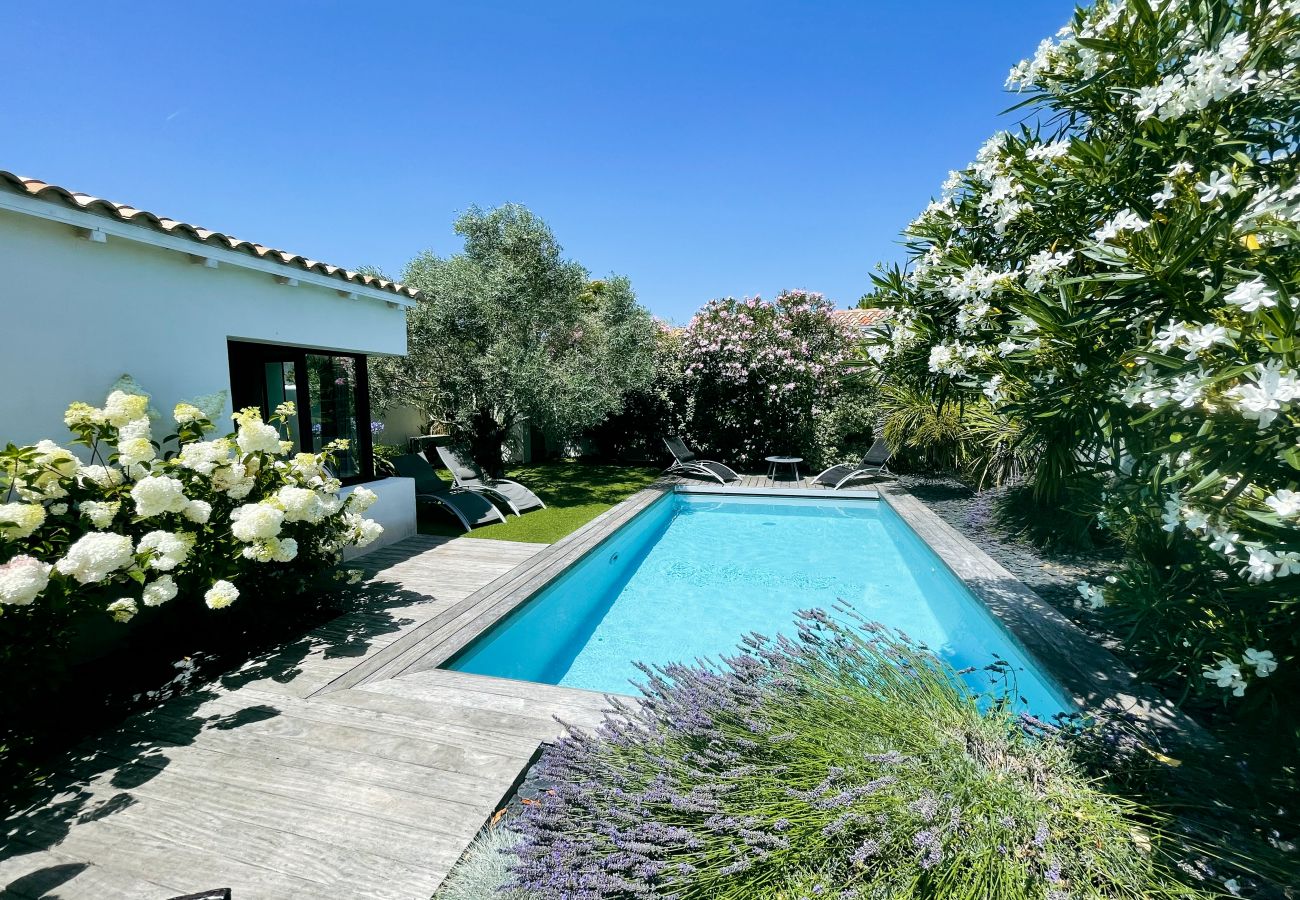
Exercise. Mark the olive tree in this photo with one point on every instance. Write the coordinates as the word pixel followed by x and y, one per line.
pixel 508 331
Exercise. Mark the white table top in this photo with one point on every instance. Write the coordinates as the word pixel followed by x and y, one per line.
pixel 783 459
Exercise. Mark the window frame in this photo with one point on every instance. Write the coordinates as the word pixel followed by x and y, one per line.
pixel 248 388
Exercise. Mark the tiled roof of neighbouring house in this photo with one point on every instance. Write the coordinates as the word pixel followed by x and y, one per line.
pixel 120 211
pixel 862 318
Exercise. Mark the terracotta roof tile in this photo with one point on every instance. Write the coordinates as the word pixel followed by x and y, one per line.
pixel 862 318
pixel 120 211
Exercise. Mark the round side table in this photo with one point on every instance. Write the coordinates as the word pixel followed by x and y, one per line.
pixel 773 462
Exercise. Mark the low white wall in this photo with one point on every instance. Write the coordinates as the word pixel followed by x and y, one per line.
pixel 395 510
pixel 76 315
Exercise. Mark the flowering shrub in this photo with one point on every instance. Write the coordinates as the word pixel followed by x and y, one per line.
pixel 760 374
pixel 1121 281
pixel 147 520
pixel 844 764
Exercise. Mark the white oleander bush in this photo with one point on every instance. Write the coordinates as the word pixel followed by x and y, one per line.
pixel 1120 280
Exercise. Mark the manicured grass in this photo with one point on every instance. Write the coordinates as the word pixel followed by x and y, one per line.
pixel 574 492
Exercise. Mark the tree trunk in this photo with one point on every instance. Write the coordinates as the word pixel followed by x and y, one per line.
pixel 486 442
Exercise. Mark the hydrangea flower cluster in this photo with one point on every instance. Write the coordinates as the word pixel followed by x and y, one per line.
pixel 141 523
pixel 1126 288
pixel 762 371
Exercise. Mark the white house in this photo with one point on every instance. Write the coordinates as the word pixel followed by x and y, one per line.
pixel 91 290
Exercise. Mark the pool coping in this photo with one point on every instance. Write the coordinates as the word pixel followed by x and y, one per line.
pixel 1088 673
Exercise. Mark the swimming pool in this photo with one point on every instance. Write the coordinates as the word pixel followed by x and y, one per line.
pixel 692 574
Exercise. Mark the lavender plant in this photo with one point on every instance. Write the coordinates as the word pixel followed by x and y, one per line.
pixel 847 762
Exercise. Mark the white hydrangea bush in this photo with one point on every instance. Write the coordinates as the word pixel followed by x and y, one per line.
pixel 150 518
pixel 1123 280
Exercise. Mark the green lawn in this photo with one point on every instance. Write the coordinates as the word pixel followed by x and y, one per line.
pixel 574 492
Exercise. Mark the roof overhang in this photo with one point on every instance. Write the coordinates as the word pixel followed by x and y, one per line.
pixel 99 229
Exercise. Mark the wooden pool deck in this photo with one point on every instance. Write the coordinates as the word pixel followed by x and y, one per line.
pixel 269 785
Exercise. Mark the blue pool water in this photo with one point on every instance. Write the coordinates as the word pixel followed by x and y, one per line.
pixel 693 573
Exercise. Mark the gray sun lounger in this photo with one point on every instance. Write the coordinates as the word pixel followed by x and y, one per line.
pixel 873 465
pixel 469 477
pixel 685 462
pixel 470 508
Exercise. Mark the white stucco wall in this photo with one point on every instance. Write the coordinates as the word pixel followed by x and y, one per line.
pixel 76 315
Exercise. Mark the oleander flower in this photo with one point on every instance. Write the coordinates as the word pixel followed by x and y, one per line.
pixel 1263 661
pixel 1227 675
pixel 158 494
pixel 123 610
pixel 123 407
pixel 221 594
pixel 168 550
pixel 159 591
pixel 96 555
pixel 256 522
pixel 20 520
pixel 22 579
pixel 300 504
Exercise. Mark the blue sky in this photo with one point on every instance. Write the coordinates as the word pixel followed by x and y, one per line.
pixel 701 148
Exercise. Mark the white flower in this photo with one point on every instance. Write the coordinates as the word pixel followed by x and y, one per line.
pixel 1227 675
pixel 255 436
pixel 82 414
pixel 1263 399
pixel 234 480
pixel 22 579
pixel 368 532
pixel 135 430
pixel 1092 595
pixel 103 476
pixel 1262 660
pixel 198 511
pixel 122 408
pixel 135 451
pixel 220 595
pixel 1125 220
pixel 1284 503
pixel 1054 150
pixel 1260 566
pixel 58 509
pixel 300 504
pixel 1222 540
pixel 1252 296
pixel 256 522
pixel 169 550
pixel 361 499
pixel 1041 266
pixel 20 520
pixel 159 591
pixel 204 456
pixel 1162 197
pixel 1219 184
pixel 95 555
pixel 123 610
pixel 158 494
pixel 187 414
pixel 100 514
pixel 993 389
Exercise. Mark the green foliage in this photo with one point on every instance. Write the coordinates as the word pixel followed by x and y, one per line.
pixel 1120 283
pixel 760 374
pixel 635 432
pixel 508 332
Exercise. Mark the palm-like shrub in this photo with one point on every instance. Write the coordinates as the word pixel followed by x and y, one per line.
pixel 847 763
pixel 760 374
pixel 1121 281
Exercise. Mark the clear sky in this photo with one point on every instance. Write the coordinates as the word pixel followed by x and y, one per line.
pixel 701 148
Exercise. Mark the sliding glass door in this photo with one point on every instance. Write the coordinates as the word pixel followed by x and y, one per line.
pixel 329 390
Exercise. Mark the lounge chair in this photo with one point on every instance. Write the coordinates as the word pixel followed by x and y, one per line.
pixel 685 462
pixel 874 464
pixel 469 477
pixel 470 508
